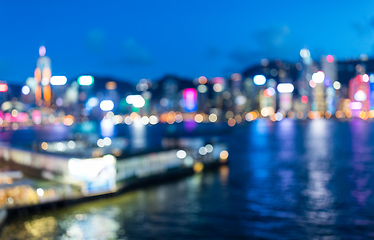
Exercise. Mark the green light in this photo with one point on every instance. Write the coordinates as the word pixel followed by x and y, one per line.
pixel 85 80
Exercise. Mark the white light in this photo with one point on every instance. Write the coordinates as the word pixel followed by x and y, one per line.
pixel 337 85
pixel 265 112
pixel 45 81
pixel 128 120
pixel 202 89
pixel 181 154
pixel 278 116
pixel 259 80
pixel 144 120
pixel 60 147
pixel 209 148
pixel 58 80
pixel 365 78
pixel 71 144
pixel 217 87
pixel 285 87
pixel 240 100
pixel 304 53
pixel 25 90
pixel 318 77
pixel 371 78
pixel 40 192
pixel 106 105
pixel 188 161
pixel 203 151
pixel 271 91
pixel 360 96
pixel 107 141
pixel 355 105
pixel 153 120
pixel 136 100
pixel 100 143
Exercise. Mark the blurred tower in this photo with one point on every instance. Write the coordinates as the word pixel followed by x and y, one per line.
pixel 42 75
pixel 329 67
pixel 305 77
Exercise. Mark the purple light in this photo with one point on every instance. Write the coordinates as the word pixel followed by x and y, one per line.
pixel 355 105
pixel 327 82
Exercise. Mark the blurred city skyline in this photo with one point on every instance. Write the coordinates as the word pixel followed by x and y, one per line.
pixel 130 41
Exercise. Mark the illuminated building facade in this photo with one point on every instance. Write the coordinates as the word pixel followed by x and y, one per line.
pixel 359 92
pixel 42 75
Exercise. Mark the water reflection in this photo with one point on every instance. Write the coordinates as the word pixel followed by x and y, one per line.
pixel 286 180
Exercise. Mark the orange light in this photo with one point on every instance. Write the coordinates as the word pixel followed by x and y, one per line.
pixel 47 95
pixel 202 80
pixel 47 73
pixel 111 85
pixel 37 75
pixel 267 93
pixel 68 120
pixel 231 122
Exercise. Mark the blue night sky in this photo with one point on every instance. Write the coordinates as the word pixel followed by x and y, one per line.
pixel 130 40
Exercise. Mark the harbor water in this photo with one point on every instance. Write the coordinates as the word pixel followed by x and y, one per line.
pixel 285 180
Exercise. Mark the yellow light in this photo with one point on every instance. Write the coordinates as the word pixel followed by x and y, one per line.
pixel 224 154
pixel 363 115
pixel 198 167
pixel 14 113
pixel 213 117
pixel 199 118
pixel 265 112
pixel 44 145
pixel 371 114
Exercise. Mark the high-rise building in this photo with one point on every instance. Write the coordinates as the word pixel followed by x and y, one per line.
pixel 42 75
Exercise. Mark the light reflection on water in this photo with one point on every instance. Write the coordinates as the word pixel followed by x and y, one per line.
pixel 289 179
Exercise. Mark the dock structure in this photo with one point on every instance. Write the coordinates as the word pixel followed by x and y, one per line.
pixel 79 179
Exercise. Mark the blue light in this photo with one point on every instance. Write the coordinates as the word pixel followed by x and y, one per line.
pixel 259 80
pixel 25 90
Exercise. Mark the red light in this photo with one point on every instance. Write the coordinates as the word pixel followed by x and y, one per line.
pixel 329 58
pixel 3 87
pixel 359 78
pixel 304 99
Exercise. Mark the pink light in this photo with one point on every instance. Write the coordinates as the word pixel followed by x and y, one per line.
pixel 42 51
pixel 218 80
pixel 329 58
pixel 355 105
pixel 3 87
pixel 304 99
pixel 190 99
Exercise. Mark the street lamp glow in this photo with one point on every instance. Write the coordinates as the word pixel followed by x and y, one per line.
pixel 106 105
pixel 285 87
pixel 259 80
pixel 85 80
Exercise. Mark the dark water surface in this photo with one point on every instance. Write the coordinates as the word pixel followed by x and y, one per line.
pixel 286 180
